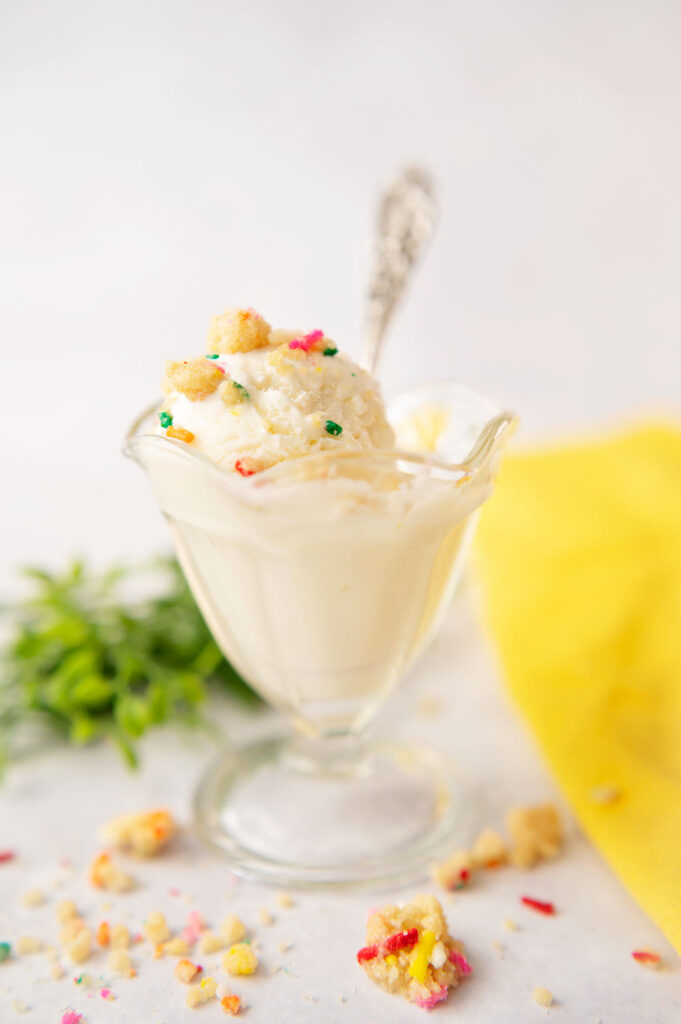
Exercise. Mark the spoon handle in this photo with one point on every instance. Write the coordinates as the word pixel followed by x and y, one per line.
pixel 406 219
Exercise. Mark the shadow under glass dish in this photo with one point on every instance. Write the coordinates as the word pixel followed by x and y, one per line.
pixel 322 579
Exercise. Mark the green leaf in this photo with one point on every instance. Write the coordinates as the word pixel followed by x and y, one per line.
pixel 85 657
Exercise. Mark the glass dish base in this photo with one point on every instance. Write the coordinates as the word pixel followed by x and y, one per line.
pixel 282 812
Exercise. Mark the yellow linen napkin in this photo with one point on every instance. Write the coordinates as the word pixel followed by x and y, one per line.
pixel 579 554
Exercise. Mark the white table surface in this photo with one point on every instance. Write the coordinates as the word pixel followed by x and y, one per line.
pixel 163 160
pixel 51 806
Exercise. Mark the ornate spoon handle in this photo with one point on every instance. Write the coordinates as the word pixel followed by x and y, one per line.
pixel 406 218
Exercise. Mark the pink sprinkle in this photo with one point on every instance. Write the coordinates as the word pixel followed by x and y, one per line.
pixel 195 927
pixel 71 1017
pixel 307 340
pixel 6 855
pixel 107 994
pixel 173 892
pixel 433 999
pixel 459 960
pixel 220 368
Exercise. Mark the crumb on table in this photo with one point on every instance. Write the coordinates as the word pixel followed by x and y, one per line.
pixel 542 996
pixel 536 834
pixel 489 849
pixel 410 952
pixel 240 959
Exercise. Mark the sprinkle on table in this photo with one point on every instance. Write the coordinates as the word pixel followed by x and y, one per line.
pixel 71 1017
pixel 165 419
pixel 332 428
pixel 647 958
pixel 5 951
pixel 539 905
pixel 6 856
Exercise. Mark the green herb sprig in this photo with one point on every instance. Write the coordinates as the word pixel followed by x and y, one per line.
pixel 94 662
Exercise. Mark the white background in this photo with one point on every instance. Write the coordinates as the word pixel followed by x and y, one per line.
pixel 162 160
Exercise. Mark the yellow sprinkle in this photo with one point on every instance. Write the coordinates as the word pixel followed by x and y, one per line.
pixel 418 964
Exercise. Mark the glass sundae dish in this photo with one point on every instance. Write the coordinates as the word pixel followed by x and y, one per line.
pixel 323 556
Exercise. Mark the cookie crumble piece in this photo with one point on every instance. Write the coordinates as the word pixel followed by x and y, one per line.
pixel 238 330
pixel 194 378
pixel 233 393
pixel 201 993
pixel 454 872
pixel 105 874
pixel 240 959
pixel 489 850
pixel 542 996
pixel 410 952
pixel 144 834
pixel 536 833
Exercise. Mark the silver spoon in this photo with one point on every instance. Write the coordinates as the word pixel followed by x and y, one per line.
pixel 406 219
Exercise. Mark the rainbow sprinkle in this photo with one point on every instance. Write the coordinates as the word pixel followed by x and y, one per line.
pixel 647 957
pixel 71 1017
pixel 459 960
pixel 195 927
pixel 213 357
pixel 332 428
pixel 539 905
pixel 165 419
pixel 307 341
pixel 5 950
pixel 243 393
pixel 331 351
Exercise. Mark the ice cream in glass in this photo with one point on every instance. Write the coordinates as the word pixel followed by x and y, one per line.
pixel 322 547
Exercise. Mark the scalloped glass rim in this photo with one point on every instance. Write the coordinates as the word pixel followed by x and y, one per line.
pixel 291 470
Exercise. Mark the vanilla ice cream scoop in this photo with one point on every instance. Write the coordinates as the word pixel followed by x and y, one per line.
pixel 261 396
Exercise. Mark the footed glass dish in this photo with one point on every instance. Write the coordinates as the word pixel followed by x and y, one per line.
pixel 322 579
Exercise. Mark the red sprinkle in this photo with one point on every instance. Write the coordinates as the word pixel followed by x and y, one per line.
pixel 247 467
pixel 6 855
pixel 538 905
pixel 646 957
pixel 399 941
pixel 390 945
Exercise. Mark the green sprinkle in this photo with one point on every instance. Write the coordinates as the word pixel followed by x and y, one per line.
pixel 243 393
pixel 5 950
pixel 213 357
pixel 165 419
pixel 354 374
pixel 331 351
pixel 333 428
